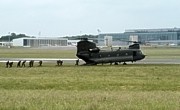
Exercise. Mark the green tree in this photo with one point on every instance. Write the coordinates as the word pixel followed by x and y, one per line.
pixel 12 36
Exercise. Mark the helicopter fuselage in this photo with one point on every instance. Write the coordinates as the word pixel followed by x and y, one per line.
pixel 96 57
pixel 92 55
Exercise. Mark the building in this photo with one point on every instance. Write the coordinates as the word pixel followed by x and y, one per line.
pixel 73 42
pixel 166 36
pixel 40 42
pixel 5 44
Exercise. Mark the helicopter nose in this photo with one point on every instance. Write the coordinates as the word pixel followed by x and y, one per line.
pixel 143 56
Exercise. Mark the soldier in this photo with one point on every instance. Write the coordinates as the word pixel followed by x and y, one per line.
pixel 23 63
pixel 31 63
pixel 7 64
pixel 40 63
pixel 77 62
pixel 10 64
pixel 58 61
pixel 61 62
pixel 19 64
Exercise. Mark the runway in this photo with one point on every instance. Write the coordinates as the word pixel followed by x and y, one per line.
pixel 72 61
pixel 158 61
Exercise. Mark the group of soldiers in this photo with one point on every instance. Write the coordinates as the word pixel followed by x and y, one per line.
pixel 20 63
pixel 60 62
pixel 9 64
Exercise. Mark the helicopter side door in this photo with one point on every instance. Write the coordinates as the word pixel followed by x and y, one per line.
pixel 134 53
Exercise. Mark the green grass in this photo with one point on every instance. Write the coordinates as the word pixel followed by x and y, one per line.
pixel 162 52
pixel 36 53
pixel 159 52
pixel 136 87
pixel 88 100
pixel 131 77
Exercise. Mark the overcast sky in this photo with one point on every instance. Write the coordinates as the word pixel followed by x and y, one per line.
pixel 74 17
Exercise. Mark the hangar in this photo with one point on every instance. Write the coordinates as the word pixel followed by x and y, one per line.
pixel 162 36
pixel 40 42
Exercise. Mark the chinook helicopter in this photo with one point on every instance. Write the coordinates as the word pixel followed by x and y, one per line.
pixel 92 55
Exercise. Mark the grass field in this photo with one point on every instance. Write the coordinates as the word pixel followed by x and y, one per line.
pixel 160 52
pixel 120 87
pixel 36 53
pixel 136 87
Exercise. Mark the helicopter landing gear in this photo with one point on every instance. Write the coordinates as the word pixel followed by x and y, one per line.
pixel 116 63
pixel 124 63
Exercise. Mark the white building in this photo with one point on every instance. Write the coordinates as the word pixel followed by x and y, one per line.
pixel 5 44
pixel 73 42
pixel 39 42
pixel 108 41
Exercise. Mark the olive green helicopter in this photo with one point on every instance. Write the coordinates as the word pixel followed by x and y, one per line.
pixel 92 55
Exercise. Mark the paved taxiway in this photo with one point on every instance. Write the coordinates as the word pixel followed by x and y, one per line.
pixel 158 61
pixel 144 61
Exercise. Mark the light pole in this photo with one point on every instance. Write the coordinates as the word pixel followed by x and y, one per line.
pixel 9 45
pixel 99 31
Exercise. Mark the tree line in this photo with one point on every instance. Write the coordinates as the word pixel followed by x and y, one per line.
pixel 12 36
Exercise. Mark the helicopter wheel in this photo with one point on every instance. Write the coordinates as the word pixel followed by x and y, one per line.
pixel 124 63
pixel 116 63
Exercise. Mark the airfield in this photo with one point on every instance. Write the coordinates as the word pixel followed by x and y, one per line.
pixel 150 84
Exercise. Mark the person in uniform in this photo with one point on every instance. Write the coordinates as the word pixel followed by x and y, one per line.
pixel 23 63
pixel 7 64
pixel 19 64
pixel 58 62
pixel 40 63
pixel 10 64
pixel 61 62
pixel 31 63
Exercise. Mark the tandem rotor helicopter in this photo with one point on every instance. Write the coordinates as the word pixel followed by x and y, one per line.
pixel 92 55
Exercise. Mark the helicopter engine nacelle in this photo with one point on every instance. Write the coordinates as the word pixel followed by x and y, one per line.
pixel 134 46
pixel 94 50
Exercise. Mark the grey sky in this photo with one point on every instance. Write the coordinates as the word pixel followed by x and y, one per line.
pixel 73 17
